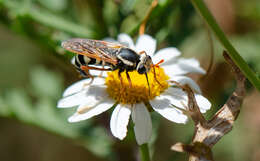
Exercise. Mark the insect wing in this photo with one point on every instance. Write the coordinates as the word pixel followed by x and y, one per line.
pixel 107 49
pixel 100 50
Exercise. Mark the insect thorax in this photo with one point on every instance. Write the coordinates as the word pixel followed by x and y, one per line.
pixel 128 57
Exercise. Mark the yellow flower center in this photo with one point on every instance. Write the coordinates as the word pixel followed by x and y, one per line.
pixel 124 93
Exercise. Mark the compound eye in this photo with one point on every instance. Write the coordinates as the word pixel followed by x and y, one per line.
pixel 141 69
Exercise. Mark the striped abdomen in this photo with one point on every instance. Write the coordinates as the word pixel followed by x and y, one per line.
pixel 81 60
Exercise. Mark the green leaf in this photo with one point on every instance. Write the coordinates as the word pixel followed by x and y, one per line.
pixel 46 18
pixel 54 5
pixel 46 83
pixel 102 145
pixel 54 21
pixel 47 118
pixel 4 110
pixel 127 6
pixel 20 105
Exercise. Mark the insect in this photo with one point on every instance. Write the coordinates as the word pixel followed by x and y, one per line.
pixel 107 56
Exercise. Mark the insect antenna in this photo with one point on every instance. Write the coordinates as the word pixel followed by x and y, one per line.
pixel 160 62
pixel 146 76
pixel 157 65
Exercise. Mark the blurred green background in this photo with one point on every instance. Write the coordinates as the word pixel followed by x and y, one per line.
pixel 34 70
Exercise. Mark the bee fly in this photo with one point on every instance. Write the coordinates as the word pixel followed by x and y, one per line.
pixel 107 56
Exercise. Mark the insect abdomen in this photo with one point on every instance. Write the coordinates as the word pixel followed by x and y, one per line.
pixel 81 60
pixel 84 60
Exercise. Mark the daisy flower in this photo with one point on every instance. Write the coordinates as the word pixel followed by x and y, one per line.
pixel 137 100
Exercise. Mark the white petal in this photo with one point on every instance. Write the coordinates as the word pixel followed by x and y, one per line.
pixel 76 87
pixel 183 66
pixel 186 80
pixel 146 43
pixel 93 93
pixel 81 85
pixel 119 121
pixel 98 92
pixel 167 54
pixel 143 124
pixel 88 112
pixel 72 100
pixel 126 40
pixel 180 99
pixel 98 73
pixel 163 106
pixel 176 97
pixel 98 81
pixel 203 103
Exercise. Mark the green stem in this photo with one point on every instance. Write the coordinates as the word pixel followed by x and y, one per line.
pixel 239 61
pixel 144 152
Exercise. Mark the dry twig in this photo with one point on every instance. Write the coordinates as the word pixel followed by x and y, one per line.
pixel 208 133
pixel 142 26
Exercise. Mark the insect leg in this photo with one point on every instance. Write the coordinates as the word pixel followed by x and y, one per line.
pixel 94 68
pixel 120 77
pixel 103 64
pixel 129 79
pixel 86 69
pixel 142 52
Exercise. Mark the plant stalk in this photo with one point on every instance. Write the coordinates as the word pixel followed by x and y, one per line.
pixel 144 150
pixel 235 56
